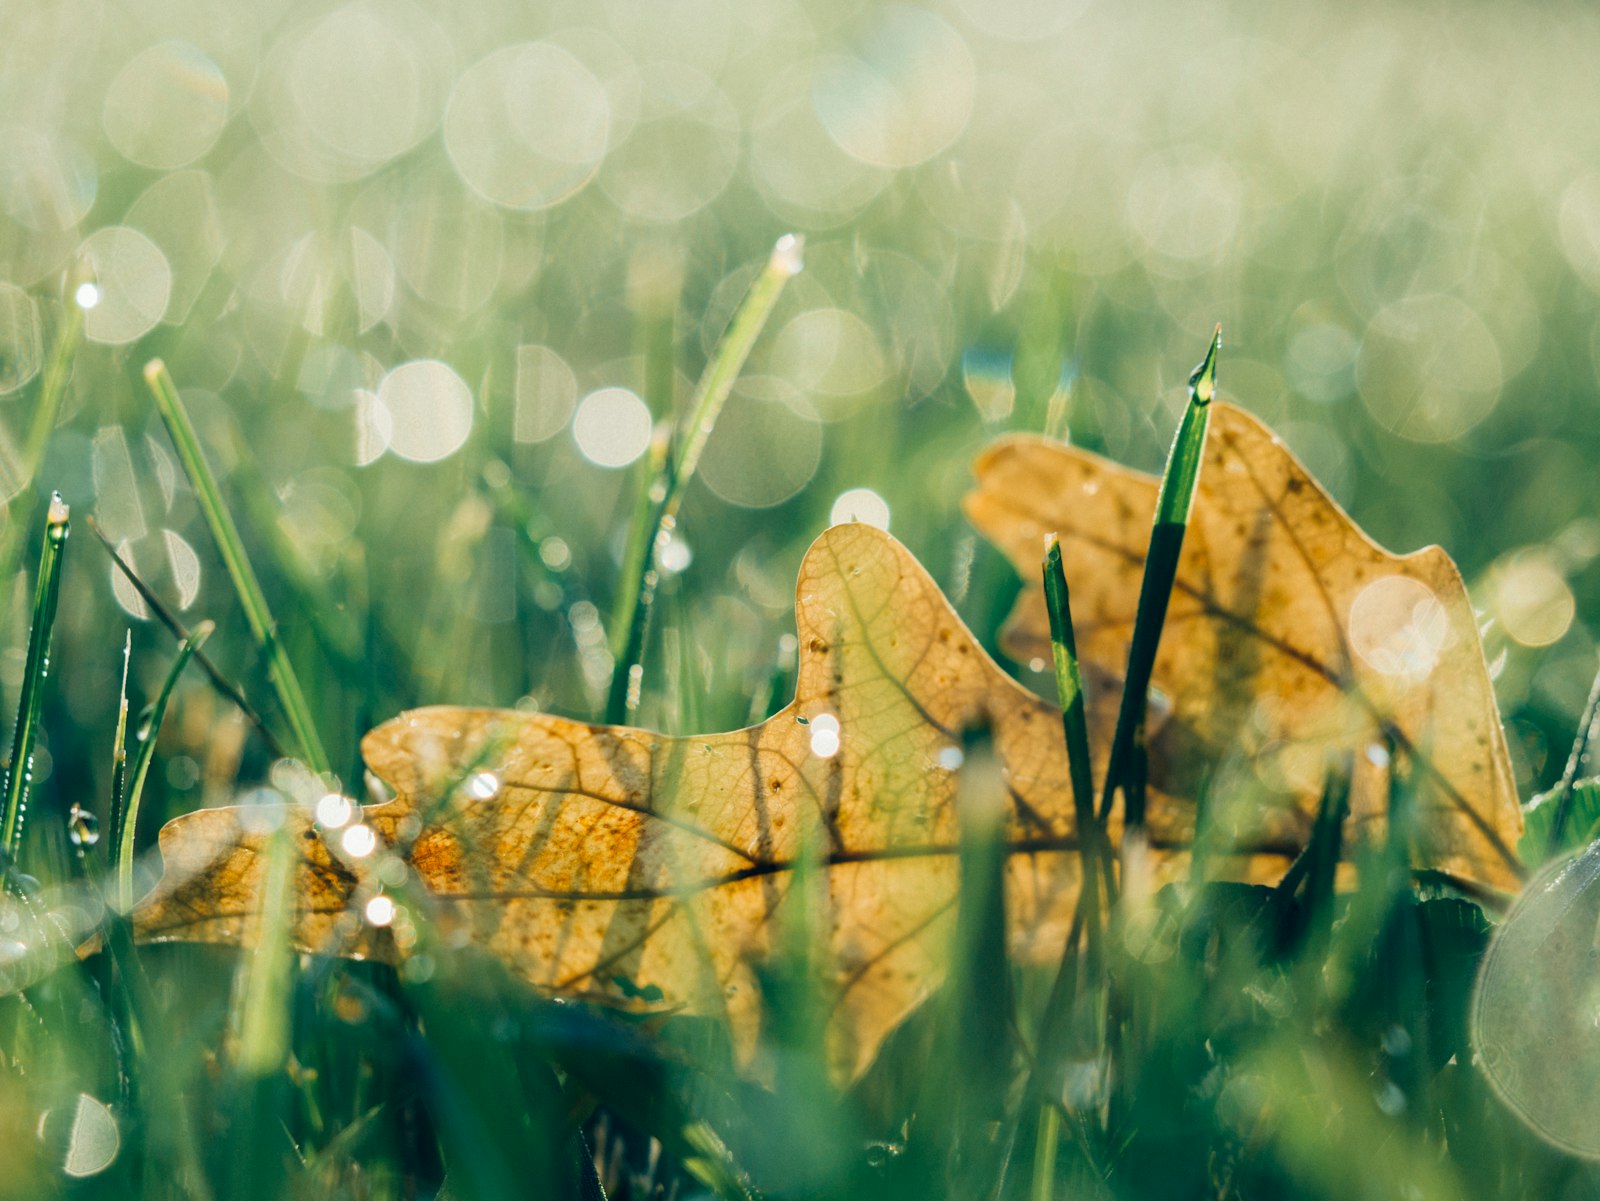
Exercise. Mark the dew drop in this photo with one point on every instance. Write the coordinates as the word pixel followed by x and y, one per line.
pixel 83 827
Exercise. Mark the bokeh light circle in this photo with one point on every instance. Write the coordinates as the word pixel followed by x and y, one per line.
pixel 860 504
pixel 904 96
pixel 47 181
pixel 766 446
pixel 134 282
pixel 21 340
pixel 1021 20
pixel 429 409
pixel 546 392
pixel 527 126
pixel 1537 1002
pixel 612 428
pixel 1430 369
pixel 167 106
pixel 681 154
pixel 352 90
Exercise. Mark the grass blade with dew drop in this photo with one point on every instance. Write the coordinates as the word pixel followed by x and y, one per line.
pixel 1173 503
pixel 660 516
pixel 46 412
pixel 148 729
pixel 226 534
pixel 47 591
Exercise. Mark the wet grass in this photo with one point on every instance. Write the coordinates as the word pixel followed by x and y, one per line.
pixel 1211 1040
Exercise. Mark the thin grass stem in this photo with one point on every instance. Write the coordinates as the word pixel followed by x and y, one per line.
pixel 148 730
pixel 226 534
pixel 119 747
pixel 666 491
pixel 1173 503
pixel 1587 726
pixel 180 632
pixel 47 591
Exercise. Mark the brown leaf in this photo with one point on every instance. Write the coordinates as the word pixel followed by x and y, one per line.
pixel 615 862
pixel 1291 636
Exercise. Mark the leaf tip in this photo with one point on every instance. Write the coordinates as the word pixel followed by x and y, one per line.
pixel 1203 380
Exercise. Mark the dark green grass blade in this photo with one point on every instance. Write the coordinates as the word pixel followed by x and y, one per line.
pixel 177 629
pixel 664 494
pixel 1173 503
pixel 47 592
pixel 148 729
pixel 1075 726
pixel 119 747
pixel 226 534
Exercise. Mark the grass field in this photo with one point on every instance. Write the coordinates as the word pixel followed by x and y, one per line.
pixel 443 295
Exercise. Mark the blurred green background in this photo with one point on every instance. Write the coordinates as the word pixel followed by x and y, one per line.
pixel 428 273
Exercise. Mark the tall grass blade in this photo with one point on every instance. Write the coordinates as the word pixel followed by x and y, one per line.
pixel 263 1010
pixel 290 695
pixel 47 591
pixel 149 728
pixel 1173 503
pixel 1075 726
pixel 727 360
pixel 47 411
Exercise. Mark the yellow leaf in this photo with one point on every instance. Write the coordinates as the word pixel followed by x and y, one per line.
pixel 1291 637
pixel 617 863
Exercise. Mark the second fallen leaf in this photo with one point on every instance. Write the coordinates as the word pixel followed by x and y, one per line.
pixel 1292 639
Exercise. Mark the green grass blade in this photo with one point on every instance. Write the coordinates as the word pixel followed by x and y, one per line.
pixel 263 1009
pixel 1044 1159
pixel 290 695
pixel 660 516
pixel 47 411
pixel 630 620
pixel 47 591
pixel 1173 503
pixel 1075 725
pixel 141 763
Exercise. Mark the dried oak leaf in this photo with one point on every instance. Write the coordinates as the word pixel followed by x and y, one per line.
pixel 618 863
pixel 1291 638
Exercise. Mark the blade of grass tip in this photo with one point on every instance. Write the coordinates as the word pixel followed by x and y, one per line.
pixel 181 634
pixel 148 729
pixel 226 534
pixel 47 410
pixel 1075 727
pixel 1587 725
pixel 47 591
pixel 1173 502
pixel 705 405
